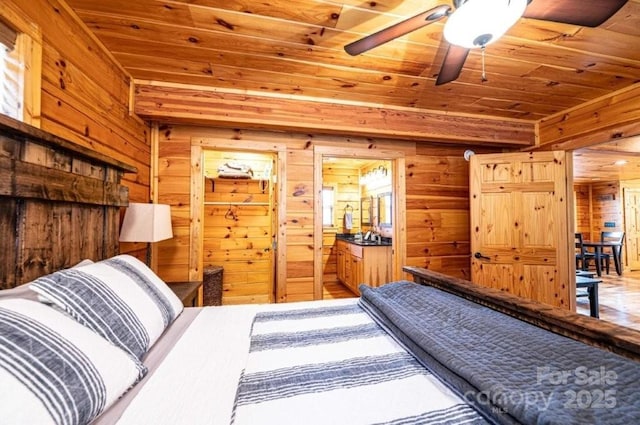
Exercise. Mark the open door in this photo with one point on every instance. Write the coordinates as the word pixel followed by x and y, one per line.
pixel 520 225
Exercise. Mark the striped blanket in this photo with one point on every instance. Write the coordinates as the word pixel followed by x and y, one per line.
pixel 334 365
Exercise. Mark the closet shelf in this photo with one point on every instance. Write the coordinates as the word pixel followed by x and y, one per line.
pixel 264 183
pixel 255 204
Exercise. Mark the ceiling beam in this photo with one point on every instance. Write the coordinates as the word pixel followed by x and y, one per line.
pixel 605 119
pixel 167 102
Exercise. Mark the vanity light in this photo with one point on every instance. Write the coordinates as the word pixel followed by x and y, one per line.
pixel 373 175
pixel 620 162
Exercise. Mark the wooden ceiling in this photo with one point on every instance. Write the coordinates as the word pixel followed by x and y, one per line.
pixel 295 48
pixel 619 160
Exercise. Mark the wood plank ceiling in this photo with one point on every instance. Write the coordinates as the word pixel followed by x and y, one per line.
pixel 295 48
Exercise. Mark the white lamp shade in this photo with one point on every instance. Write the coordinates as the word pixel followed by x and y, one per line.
pixel 146 223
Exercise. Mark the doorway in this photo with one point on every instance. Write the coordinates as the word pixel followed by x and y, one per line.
pixel 239 223
pixel 324 257
pixel 356 195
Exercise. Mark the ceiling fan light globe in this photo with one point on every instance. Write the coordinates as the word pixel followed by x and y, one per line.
pixel 482 20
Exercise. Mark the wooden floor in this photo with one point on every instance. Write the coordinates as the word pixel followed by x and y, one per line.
pixel 336 290
pixel 619 298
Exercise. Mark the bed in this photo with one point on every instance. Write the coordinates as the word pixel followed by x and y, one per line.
pixel 106 341
pixel 406 352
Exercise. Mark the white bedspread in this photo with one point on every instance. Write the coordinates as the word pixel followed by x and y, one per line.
pixel 337 366
pixel 198 380
pixel 196 383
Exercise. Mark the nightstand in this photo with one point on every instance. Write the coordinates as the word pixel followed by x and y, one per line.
pixel 190 293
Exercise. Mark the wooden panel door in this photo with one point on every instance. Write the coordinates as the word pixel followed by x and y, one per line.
pixel 632 227
pixel 520 222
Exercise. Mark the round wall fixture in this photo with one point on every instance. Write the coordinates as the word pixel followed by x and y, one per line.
pixel 468 154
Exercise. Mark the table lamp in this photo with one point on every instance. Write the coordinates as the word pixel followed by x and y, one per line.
pixel 146 223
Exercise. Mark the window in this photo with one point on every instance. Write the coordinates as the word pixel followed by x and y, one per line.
pixel 20 66
pixel 11 74
pixel 328 199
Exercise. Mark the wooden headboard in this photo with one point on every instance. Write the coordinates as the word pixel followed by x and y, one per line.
pixel 59 203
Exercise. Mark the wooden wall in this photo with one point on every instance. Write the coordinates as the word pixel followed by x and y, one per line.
pixel 607 208
pixel 85 94
pixel 438 233
pixel 239 229
pixel 611 117
pixel 597 203
pixel 582 200
pixel 436 210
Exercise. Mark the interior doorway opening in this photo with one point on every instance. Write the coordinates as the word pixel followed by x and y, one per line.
pixel 240 222
pixel 356 210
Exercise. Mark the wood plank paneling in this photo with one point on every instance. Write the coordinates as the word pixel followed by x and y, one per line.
pixel 200 105
pixel 240 233
pixel 582 204
pixel 436 206
pixel 295 49
pixel 299 280
pixel 85 92
pixel 610 117
pixel 60 204
pixel 606 199
pixel 438 212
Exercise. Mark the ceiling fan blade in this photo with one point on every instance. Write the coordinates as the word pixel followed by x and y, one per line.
pixel 586 13
pixel 397 30
pixel 452 64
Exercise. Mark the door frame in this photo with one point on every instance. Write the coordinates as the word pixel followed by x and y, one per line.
pixel 398 181
pixel 196 210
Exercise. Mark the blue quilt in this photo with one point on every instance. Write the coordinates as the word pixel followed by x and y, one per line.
pixel 510 370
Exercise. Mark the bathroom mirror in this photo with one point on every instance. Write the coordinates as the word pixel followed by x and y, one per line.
pixel 365 211
pixel 384 209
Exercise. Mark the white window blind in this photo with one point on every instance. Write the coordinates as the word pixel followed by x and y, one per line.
pixel 11 74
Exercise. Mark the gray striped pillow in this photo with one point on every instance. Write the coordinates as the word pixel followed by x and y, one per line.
pixel 121 299
pixel 54 370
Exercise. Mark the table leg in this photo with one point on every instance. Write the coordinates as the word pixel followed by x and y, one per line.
pixel 598 253
pixel 594 308
pixel 617 260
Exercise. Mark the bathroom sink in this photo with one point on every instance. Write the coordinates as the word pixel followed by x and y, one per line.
pixel 370 243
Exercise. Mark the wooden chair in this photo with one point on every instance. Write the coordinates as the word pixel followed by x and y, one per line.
pixel 582 255
pixel 616 251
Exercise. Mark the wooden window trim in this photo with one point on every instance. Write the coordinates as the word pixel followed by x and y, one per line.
pixel 28 49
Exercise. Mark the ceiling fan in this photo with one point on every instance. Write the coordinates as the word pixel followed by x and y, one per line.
pixel 477 23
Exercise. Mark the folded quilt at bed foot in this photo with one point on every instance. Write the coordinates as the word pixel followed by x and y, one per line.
pixel 508 369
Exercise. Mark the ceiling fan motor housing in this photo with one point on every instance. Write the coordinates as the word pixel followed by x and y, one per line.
pixel 482 40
